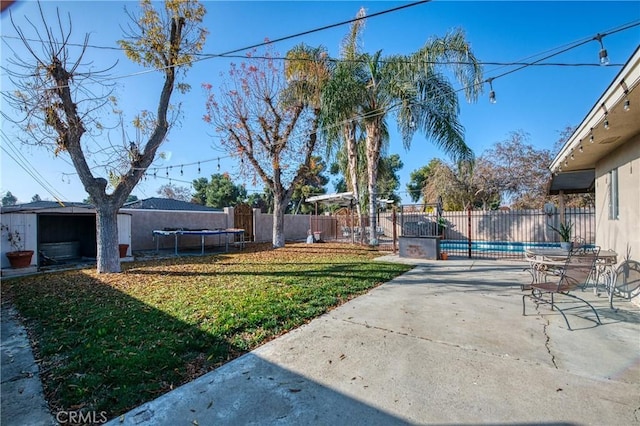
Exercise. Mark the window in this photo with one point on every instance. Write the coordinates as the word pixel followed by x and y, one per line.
pixel 613 194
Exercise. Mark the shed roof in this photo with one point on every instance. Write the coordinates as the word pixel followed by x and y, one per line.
pixel 36 206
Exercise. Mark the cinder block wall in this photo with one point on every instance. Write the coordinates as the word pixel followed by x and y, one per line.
pixel 144 222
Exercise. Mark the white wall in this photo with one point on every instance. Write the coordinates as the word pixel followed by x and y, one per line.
pixel 622 233
pixel 27 225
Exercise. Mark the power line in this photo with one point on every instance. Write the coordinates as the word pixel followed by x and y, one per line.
pixel 26 165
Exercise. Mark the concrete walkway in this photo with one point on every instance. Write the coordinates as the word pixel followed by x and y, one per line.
pixel 22 398
pixel 445 343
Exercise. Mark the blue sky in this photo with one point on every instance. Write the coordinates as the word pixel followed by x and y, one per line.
pixel 539 100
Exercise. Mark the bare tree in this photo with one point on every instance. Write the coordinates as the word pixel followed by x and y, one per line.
pixel 521 170
pixel 270 122
pixel 55 104
pixel 175 192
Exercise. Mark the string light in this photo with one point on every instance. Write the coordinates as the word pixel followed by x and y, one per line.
pixel 606 118
pixel 627 103
pixel 492 93
pixel 581 149
pixel 218 163
pixel 591 136
pixel 603 55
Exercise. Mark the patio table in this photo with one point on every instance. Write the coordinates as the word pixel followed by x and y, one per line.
pixel 544 261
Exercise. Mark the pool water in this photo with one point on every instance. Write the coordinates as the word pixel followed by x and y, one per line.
pixel 494 246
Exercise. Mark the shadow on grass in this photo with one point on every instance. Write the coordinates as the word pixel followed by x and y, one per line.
pixel 102 350
pixel 109 342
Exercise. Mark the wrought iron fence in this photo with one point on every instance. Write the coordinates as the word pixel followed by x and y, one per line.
pixel 494 234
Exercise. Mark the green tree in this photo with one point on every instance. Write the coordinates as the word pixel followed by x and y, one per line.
pixel 9 199
pixel 220 192
pixel 52 102
pixel 342 97
pixel 36 198
pixel 312 183
pixel 418 180
pixel 413 89
pixel 388 179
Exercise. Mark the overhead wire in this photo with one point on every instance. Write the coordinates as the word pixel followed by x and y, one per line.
pixel 16 155
pixel 520 64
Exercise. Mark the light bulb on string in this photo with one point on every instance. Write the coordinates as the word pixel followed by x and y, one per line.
pixel 492 93
pixel 218 163
pixel 181 171
pixel 606 116
pixel 198 167
pixel 581 149
pixel 591 138
pixel 603 56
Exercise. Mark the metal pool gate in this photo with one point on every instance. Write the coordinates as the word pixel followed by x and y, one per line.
pixel 497 233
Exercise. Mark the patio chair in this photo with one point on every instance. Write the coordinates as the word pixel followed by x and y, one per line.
pixel 575 272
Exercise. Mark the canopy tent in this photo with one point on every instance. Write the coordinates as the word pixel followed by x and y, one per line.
pixel 343 199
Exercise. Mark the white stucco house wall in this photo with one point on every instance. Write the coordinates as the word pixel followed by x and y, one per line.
pixel 604 154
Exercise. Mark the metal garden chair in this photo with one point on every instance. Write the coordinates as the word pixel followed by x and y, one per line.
pixel 576 271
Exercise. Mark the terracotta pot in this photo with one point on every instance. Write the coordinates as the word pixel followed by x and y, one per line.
pixel 20 259
pixel 123 249
pixel 444 256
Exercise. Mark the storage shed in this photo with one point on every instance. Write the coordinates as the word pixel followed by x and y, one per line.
pixel 56 232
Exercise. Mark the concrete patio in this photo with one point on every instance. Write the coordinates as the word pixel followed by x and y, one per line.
pixel 445 343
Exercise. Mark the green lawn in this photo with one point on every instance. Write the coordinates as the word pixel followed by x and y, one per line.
pixel 113 341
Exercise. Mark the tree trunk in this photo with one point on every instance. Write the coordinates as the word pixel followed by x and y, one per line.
pixel 278 222
pixel 373 155
pixel 352 166
pixel 107 235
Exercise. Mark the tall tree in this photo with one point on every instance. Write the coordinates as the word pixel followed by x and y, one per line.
pixel 421 98
pixel 53 102
pixel 220 192
pixel 415 91
pixel 269 119
pixel 312 183
pixel 342 97
pixel 388 179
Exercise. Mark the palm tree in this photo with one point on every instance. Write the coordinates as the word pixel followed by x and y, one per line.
pixel 341 100
pixel 421 98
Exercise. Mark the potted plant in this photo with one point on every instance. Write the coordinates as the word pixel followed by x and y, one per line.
pixel 18 257
pixel 564 231
pixel 442 226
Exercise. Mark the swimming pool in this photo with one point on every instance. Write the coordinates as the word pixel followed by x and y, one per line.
pixel 493 246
